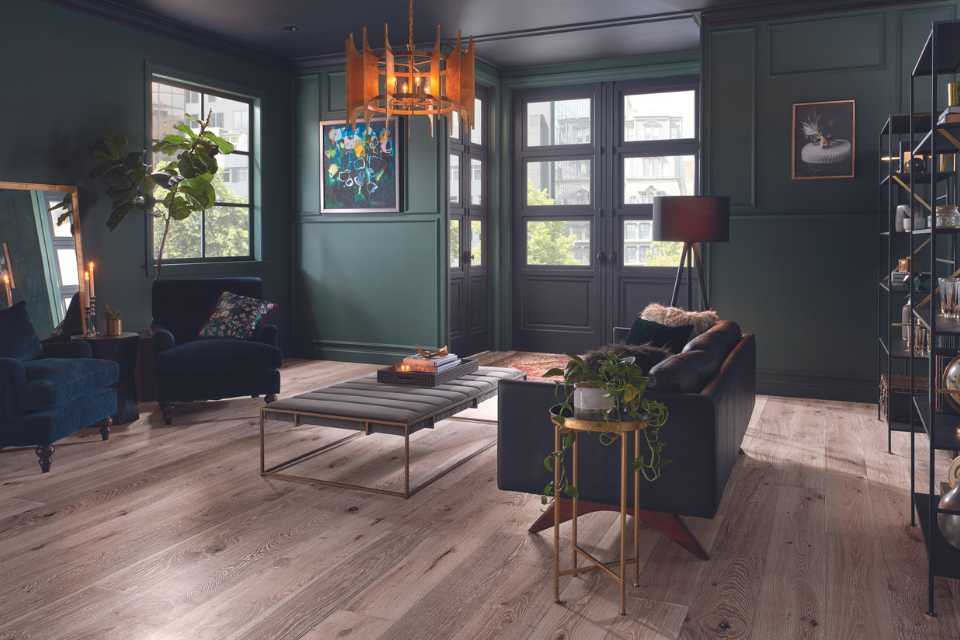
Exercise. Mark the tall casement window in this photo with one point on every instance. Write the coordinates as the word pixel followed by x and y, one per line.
pixel 467 177
pixel 225 232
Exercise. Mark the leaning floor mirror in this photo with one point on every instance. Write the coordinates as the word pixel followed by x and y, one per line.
pixel 41 254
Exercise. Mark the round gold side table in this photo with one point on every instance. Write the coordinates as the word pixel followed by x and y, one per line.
pixel 621 428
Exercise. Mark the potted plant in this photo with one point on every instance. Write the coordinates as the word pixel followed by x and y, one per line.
pixel 173 190
pixel 607 387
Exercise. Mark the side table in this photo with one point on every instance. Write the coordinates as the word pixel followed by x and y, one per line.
pixel 621 429
pixel 124 350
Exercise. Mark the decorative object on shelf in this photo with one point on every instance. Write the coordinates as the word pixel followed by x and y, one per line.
pixel 953 473
pixel 953 93
pixel 949 522
pixel 113 325
pixel 905 314
pixel 691 220
pixel 951 114
pixel 824 140
pixel 951 382
pixel 410 82
pixel 947 289
pixel 948 217
pixel 172 190
pixel 947 163
pixel 903 214
pixel 360 168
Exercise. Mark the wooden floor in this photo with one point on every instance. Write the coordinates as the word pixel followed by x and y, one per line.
pixel 169 532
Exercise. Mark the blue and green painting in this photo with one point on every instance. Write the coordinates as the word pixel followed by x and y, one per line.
pixel 360 167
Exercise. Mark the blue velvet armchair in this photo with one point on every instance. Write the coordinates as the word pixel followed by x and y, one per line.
pixel 49 391
pixel 191 368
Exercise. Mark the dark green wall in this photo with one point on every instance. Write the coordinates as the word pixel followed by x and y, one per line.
pixel 369 287
pixel 800 268
pixel 70 76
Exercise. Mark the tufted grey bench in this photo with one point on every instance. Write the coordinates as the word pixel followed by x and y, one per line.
pixel 366 406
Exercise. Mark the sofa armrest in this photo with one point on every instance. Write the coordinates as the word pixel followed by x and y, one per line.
pixel 162 338
pixel 12 377
pixel 267 334
pixel 620 335
pixel 73 349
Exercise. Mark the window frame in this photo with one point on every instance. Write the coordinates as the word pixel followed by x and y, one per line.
pixel 205 88
pixel 649 149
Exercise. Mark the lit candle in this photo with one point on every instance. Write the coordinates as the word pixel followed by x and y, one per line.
pixel 93 293
pixel 404 87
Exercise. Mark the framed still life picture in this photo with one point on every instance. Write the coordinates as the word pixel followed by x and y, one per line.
pixel 824 145
pixel 359 167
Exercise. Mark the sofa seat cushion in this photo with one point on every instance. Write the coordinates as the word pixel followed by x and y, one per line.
pixel 57 382
pixel 218 355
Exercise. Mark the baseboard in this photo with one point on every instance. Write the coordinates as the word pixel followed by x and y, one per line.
pixel 780 383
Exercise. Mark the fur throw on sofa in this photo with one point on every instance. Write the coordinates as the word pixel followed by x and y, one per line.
pixel 646 355
pixel 675 317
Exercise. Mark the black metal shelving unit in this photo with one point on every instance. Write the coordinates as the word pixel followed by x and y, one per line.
pixel 939 60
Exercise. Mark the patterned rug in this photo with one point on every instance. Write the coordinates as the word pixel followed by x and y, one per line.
pixel 532 364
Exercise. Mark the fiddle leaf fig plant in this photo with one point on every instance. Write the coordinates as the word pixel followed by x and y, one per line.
pixel 174 189
pixel 622 381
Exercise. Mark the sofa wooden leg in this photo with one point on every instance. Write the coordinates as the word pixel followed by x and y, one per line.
pixel 667 524
pixel 166 409
pixel 105 429
pixel 270 397
pixel 45 457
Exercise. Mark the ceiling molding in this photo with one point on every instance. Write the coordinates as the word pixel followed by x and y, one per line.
pixel 151 21
pixel 751 11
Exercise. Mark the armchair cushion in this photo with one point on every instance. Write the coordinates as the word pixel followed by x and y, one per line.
pixel 182 307
pixel 235 316
pixel 57 382
pixel 17 336
pixel 218 355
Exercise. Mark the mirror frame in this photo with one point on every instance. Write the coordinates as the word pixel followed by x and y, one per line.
pixel 75 224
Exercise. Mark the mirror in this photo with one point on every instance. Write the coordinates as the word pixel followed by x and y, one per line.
pixel 41 254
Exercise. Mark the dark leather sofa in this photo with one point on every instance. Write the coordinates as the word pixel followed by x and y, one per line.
pixel 709 390
pixel 190 368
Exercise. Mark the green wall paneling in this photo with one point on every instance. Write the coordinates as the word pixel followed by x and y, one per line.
pixel 801 264
pixel 91 79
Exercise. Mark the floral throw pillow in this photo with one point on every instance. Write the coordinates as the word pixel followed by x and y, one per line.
pixel 235 316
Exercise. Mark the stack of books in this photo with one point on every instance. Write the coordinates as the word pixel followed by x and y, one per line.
pixel 429 364
pixel 950 115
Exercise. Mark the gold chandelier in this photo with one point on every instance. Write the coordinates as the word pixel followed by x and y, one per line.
pixel 411 82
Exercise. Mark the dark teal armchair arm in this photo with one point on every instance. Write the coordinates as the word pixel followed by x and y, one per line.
pixel 12 377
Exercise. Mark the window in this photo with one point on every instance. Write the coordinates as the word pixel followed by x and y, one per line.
pixel 558 182
pixel 646 178
pixel 476 131
pixel 476 243
pixel 454 182
pixel 659 116
pixel 559 122
pixel 558 242
pixel 476 181
pixel 453 242
pixel 226 230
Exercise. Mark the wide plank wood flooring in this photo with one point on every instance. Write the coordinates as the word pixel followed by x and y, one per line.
pixel 165 533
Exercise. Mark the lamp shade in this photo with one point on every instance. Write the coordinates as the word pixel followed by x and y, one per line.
pixel 691 218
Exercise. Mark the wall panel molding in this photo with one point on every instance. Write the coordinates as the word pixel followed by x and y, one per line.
pixel 790 51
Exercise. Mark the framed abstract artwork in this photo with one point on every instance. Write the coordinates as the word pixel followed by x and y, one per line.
pixel 824 145
pixel 359 167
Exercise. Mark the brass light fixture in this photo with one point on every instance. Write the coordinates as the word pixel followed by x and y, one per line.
pixel 410 82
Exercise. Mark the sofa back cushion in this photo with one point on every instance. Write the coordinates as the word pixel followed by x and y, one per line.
pixel 184 306
pixel 17 337
pixel 721 338
pixel 686 372
pixel 659 335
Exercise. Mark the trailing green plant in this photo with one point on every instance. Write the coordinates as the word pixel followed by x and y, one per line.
pixel 620 379
pixel 173 190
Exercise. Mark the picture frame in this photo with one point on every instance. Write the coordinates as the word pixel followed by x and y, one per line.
pixel 360 181
pixel 823 142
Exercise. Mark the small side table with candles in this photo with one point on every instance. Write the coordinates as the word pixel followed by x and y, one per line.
pixel 568 423
pixel 123 349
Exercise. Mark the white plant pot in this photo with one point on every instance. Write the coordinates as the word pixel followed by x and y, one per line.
pixel 591 402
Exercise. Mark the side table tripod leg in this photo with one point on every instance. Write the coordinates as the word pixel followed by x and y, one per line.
pixel 623 524
pixel 636 510
pixel 556 517
pixel 576 485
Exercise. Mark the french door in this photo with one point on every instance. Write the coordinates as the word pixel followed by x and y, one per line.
pixel 589 160
pixel 468 298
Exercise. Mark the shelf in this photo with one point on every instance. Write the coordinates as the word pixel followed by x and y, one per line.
pixel 947 53
pixel 945 436
pixel 945 326
pixel 946 558
pixel 900 123
pixel 899 351
pixel 921 181
pixel 943 142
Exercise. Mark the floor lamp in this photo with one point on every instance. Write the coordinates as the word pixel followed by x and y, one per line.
pixel 691 220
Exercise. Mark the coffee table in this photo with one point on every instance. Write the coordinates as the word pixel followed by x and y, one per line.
pixel 366 406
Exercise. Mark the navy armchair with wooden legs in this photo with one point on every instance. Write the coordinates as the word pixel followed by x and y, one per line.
pixel 191 368
pixel 49 391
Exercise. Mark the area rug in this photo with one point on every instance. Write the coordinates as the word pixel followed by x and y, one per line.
pixel 532 364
